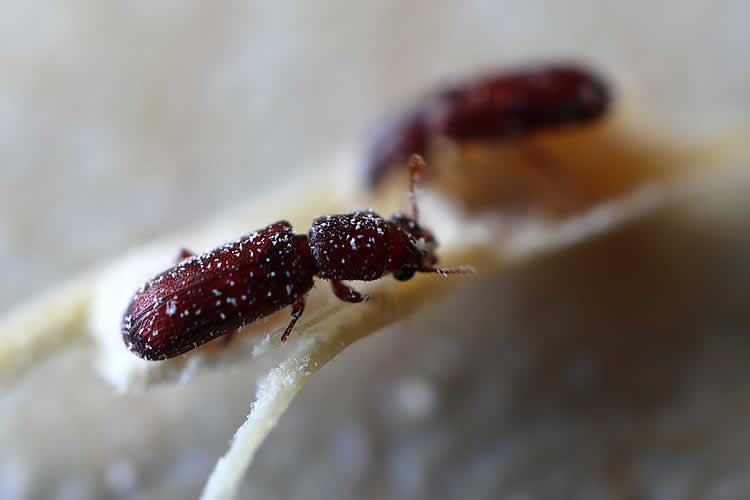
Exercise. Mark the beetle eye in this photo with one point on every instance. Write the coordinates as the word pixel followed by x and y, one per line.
pixel 404 274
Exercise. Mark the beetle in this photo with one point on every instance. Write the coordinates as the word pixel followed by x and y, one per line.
pixel 496 106
pixel 206 296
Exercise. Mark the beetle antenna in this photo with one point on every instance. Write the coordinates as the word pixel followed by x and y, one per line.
pixel 450 270
pixel 416 164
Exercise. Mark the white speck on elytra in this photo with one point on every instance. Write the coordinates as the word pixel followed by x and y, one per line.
pixel 216 292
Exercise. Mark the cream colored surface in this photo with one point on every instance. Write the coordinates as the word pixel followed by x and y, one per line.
pixel 617 369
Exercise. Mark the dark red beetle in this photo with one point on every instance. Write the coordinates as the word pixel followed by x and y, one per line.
pixel 208 295
pixel 500 106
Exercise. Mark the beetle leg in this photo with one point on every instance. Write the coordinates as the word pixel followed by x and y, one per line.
pixel 552 181
pixel 184 254
pixel 346 293
pixel 297 309
pixel 225 339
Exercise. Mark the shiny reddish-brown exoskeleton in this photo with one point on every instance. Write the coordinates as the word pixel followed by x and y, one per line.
pixel 208 295
pixel 500 106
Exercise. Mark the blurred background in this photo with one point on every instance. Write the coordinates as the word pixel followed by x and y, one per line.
pixel 120 121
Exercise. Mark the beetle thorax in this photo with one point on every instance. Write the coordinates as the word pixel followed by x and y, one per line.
pixel 364 246
pixel 353 246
